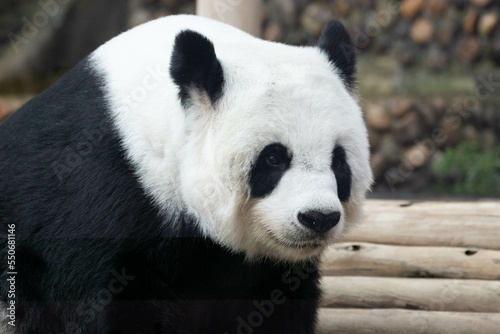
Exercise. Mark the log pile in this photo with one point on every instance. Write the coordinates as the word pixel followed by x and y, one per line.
pixel 415 267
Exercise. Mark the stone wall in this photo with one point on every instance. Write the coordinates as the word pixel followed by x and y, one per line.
pixel 438 34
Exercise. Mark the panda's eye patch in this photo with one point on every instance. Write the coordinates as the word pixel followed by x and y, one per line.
pixel 336 163
pixel 338 158
pixel 271 164
pixel 342 173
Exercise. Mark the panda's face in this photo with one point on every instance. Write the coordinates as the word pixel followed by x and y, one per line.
pixel 275 161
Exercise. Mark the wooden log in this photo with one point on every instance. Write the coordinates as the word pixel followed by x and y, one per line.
pixel 460 224
pixel 411 293
pixel 243 14
pixel 364 259
pixel 455 207
pixel 395 321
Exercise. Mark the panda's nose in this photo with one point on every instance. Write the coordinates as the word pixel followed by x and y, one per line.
pixel 319 222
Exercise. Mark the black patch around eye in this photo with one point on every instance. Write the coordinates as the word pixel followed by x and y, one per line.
pixel 342 173
pixel 264 176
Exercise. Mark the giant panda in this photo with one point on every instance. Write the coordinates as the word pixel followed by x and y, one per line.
pixel 185 177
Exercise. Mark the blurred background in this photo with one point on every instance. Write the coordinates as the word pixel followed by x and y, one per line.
pixel 429 76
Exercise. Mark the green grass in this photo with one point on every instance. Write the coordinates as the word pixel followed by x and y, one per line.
pixel 468 170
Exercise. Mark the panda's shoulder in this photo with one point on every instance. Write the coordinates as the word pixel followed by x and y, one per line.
pixel 64 143
pixel 52 120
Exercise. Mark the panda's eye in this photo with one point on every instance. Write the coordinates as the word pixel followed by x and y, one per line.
pixel 273 160
pixel 274 157
pixel 336 163
pixel 338 158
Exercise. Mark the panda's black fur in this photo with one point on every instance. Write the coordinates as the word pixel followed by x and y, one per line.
pixel 186 68
pixel 92 251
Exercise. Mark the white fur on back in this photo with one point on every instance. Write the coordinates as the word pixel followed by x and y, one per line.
pixel 152 127
pixel 198 160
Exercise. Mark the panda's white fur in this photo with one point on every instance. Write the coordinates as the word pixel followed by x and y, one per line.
pixel 5 328
pixel 272 93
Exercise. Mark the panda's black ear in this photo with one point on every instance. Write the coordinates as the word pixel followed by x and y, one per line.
pixel 194 64
pixel 337 45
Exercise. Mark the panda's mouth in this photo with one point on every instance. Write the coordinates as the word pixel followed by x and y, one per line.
pixel 312 243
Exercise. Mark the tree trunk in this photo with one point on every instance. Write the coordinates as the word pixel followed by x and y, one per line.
pixel 363 259
pixel 411 293
pixel 460 224
pixel 393 321
pixel 243 14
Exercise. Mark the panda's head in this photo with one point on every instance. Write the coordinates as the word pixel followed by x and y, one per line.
pixel 275 161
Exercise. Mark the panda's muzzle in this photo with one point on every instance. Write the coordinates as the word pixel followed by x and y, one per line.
pixel 319 222
pixel 299 244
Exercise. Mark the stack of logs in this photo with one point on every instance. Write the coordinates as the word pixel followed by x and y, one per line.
pixel 415 267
